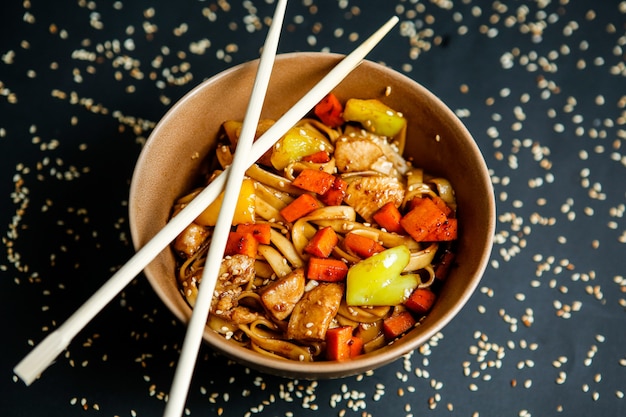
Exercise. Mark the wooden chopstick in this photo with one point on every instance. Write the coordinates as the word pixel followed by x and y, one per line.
pixel 197 323
pixel 38 359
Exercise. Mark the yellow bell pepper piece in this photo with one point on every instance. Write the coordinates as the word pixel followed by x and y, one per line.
pixel 376 281
pixel 244 210
pixel 232 128
pixel 298 142
pixel 375 116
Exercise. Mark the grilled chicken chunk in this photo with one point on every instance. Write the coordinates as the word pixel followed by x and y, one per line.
pixel 369 153
pixel 366 194
pixel 356 154
pixel 280 297
pixel 313 314
pixel 400 165
pixel 235 272
pixel 189 240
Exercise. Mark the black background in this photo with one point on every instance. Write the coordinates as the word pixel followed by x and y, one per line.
pixel 539 84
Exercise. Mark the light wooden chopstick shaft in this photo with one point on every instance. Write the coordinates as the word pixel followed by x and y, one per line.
pixel 197 323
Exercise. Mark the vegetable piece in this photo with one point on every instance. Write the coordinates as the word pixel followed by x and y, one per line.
pixel 361 245
pixel 414 202
pixel 260 231
pixel 356 346
pixel 426 222
pixel 319 157
pixel 326 269
pixel 298 142
pixel 337 343
pixel 388 217
pixel 322 243
pixel 420 301
pixel 439 202
pixel 232 128
pixel 397 324
pixel 329 110
pixel 442 267
pixel 241 244
pixel 244 210
pixel 336 193
pixel 375 116
pixel 376 281
pixel 314 180
pixel 445 232
pixel 299 207
pixel 341 344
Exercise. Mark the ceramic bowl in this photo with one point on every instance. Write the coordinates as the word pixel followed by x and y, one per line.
pixel 437 141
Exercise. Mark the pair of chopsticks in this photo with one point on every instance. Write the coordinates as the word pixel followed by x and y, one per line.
pixel 247 152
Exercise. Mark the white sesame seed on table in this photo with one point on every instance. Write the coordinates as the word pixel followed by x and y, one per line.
pixel 540 84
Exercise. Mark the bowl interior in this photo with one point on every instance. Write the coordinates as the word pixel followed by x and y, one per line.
pixel 437 141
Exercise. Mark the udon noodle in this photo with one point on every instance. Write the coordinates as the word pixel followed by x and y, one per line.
pixel 268 300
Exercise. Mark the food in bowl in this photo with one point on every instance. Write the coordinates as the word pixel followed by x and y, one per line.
pixel 338 243
pixel 175 155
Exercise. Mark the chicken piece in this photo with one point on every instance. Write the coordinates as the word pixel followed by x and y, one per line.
pixel 400 165
pixel 235 272
pixel 369 153
pixel 356 154
pixel 313 314
pixel 366 194
pixel 189 240
pixel 281 296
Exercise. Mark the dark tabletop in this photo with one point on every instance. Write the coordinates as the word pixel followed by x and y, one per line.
pixel 540 84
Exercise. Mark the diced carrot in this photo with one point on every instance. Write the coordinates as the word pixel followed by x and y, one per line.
pixel 397 324
pixel 415 201
pixel 388 217
pixel 361 245
pixel 320 157
pixel 337 338
pixel 326 269
pixel 444 232
pixel 426 222
pixel 420 301
pixel 341 344
pixel 322 243
pixel 441 204
pixel 299 207
pixel 241 244
pixel 329 111
pixel 335 195
pixel 356 346
pixel 314 180
pixel 260 231
pixel 442 267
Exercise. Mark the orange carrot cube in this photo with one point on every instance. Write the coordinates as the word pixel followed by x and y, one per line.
pixel 299 207
pixel 322 243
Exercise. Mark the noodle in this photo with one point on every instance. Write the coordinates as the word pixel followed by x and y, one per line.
pixel 260 301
